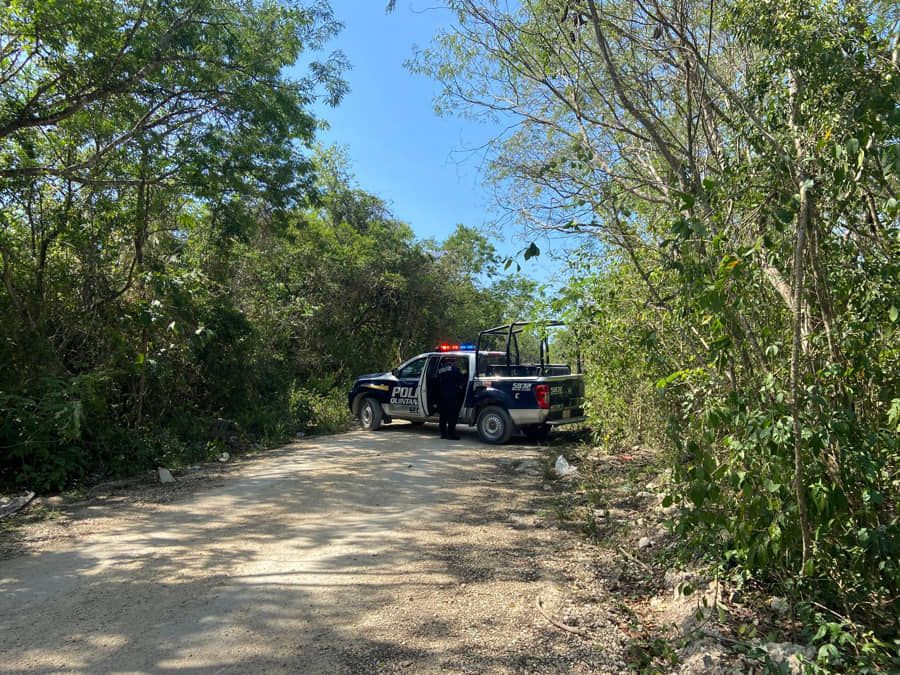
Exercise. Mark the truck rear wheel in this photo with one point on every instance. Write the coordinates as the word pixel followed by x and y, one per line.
pixel 494 425
pixel 370 414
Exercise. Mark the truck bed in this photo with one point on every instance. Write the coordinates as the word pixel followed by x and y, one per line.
pixel 514 388
pixel 528 370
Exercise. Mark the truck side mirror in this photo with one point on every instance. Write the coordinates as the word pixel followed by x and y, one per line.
pixel 395 372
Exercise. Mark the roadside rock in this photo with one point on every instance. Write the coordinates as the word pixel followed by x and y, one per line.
pixel 779 605
pixel 528 465
pixel 165 476
pixel 13 504
pixel 645 542
pixel 705 657
pixel 676 577
pixel 684 583
pixel 790 654
pixel 521 521
pixel 669 510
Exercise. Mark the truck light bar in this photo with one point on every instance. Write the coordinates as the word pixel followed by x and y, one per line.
pixel 448 347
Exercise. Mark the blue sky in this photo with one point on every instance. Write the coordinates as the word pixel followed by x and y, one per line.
pixel 423 165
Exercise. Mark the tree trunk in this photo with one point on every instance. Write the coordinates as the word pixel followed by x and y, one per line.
pixel 797 398
pixel 798 322
pixel 140 238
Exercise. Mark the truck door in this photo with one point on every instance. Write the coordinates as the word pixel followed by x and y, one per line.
pixel 429 396
pixel 404 401
pixel 467 367
pixel 428 392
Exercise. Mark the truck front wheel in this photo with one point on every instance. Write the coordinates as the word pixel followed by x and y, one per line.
pixel 370 414
pixel 494 425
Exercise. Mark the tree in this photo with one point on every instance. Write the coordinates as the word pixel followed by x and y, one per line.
pixel 144 105
pixel 125 129
pixel 742 161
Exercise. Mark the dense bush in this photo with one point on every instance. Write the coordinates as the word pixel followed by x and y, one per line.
pixel 182 271
pixel 735 169
pixel 252 344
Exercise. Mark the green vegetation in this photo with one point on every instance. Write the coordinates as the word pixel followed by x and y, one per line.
pixel 182 272
pixel 733 172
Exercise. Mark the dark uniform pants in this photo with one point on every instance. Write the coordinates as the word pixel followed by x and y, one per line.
pixel 449 413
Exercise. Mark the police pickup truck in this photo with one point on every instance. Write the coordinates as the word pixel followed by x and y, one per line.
pixel 502 394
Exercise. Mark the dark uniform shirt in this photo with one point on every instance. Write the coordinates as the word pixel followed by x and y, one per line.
pixel 450 381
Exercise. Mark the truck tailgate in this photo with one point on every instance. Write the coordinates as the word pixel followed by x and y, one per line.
pixel 566 397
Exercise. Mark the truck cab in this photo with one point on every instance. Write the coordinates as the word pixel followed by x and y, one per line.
pixel 502 395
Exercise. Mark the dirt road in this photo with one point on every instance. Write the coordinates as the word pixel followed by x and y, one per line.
pixel 386 552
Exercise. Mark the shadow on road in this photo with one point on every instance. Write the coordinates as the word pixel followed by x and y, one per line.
pixel 317 557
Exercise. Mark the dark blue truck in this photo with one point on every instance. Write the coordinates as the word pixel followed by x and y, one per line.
pixel 503 396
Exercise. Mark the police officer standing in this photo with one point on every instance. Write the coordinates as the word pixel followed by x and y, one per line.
pixel 451 385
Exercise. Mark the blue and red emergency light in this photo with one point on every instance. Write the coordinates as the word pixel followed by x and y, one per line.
pixel 464 347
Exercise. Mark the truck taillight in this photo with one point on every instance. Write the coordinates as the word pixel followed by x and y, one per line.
pixel 542 395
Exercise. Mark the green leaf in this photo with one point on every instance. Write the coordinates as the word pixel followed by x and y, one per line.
pixel 891 206
pixel 827 653
pixel 687 200
pixel 893 313
pixel 784 215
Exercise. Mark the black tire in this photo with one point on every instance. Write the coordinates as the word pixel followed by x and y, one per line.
pixel 370 414
pixel 538 432
pixel 494 425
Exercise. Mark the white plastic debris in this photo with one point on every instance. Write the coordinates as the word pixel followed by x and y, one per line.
pixel 562 467
pixel 224 457
pixel 165 476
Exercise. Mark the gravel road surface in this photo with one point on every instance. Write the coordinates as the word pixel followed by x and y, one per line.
pixel 392 551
